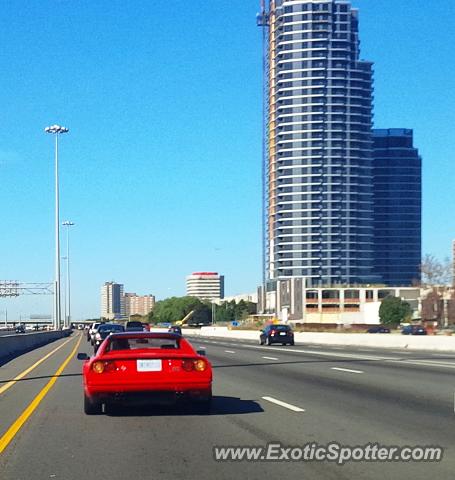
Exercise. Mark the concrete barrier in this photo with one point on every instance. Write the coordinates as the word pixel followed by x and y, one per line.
pixel 379 340
pixel 12 345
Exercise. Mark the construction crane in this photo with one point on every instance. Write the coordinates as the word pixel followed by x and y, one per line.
pixel 182 322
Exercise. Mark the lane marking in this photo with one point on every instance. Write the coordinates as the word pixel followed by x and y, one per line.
pixel 25 415
pixel 386 359
pixel 426 363
pixel 283 404
pixel 443 355
pixel 270 358
pixel 9 384
pixel 314 352
pixel 324 354
pixel 346 370
pixel 229 351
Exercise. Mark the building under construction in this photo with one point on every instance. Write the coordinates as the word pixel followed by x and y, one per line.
pixel 317 144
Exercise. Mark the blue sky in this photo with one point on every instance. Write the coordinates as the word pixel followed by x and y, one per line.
pixel 161 168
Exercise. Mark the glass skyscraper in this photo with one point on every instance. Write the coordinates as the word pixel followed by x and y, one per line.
pixel 318 189
pixel 397 179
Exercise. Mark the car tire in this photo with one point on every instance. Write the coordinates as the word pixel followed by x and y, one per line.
pixel 92 407
pixel 261 342
pixel 269 341
pixel 292 343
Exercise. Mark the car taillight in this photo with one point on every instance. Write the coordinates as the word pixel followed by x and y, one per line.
pixel 100 367
pixel 272 333
pixel 199 365
pixel 187 365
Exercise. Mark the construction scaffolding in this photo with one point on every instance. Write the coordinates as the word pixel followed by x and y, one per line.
pixel 263 21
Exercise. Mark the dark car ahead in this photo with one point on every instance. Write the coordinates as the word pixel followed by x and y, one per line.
pixel 378 329
pixel 104 330
pixel 175 329
pixel 414 330
pixel 134 326
pixel 20 329
pixel 277 334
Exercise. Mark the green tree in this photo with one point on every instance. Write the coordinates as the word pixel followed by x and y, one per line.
pixel 229 311
pixel 173 309
pixel 394 310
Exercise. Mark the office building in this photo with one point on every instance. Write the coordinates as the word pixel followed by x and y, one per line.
pixel 112 301
pixel 205 285
pixel 318 198
pixel 397 187
pixel 138 304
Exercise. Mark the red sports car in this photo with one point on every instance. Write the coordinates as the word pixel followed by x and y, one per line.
pixel 145 367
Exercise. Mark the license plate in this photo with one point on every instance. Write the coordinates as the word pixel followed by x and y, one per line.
pixel 149 365
pixel 282 333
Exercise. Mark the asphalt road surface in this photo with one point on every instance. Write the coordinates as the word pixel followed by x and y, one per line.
pixel 263 395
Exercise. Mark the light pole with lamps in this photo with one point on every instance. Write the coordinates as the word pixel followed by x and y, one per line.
pixel 57 130
pixel 67 321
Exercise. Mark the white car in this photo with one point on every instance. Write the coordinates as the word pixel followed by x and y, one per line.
pixel 91 331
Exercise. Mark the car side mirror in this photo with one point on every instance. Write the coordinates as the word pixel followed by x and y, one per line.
pixel 82 356
pixel 201 352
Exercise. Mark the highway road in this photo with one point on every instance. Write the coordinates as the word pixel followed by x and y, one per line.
pixel 291 395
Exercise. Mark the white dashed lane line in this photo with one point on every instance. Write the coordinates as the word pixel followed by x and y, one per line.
pixel 229 351
pixel 270 358
pixel 346 370
pixel 283 404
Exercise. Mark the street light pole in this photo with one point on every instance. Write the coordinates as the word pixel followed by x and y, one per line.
pixel 67 322
pixel 57 130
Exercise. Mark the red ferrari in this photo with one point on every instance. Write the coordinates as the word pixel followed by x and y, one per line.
pixel 145 367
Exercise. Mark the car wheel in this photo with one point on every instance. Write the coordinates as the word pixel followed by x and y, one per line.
pixel 92 407
pixel 261 342
pixel 269 341
pixel 291 343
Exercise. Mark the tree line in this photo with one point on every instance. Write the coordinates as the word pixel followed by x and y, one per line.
pixel 173 309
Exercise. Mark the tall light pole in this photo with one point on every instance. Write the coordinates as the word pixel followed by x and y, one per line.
pixel 67 321
pixel 57 130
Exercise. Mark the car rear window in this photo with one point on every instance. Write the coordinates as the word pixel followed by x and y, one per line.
pixel 134 324
pixel 281 327
pixel 111 328
pixel 143 343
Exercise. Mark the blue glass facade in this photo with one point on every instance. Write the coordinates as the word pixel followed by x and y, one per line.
pixel 318 167
pixel 397 178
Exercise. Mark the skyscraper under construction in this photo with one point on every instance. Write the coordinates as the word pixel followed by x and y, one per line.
pixel 318 195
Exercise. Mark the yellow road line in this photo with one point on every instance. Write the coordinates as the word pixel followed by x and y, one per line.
pixel 9 384
pixel 17 425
